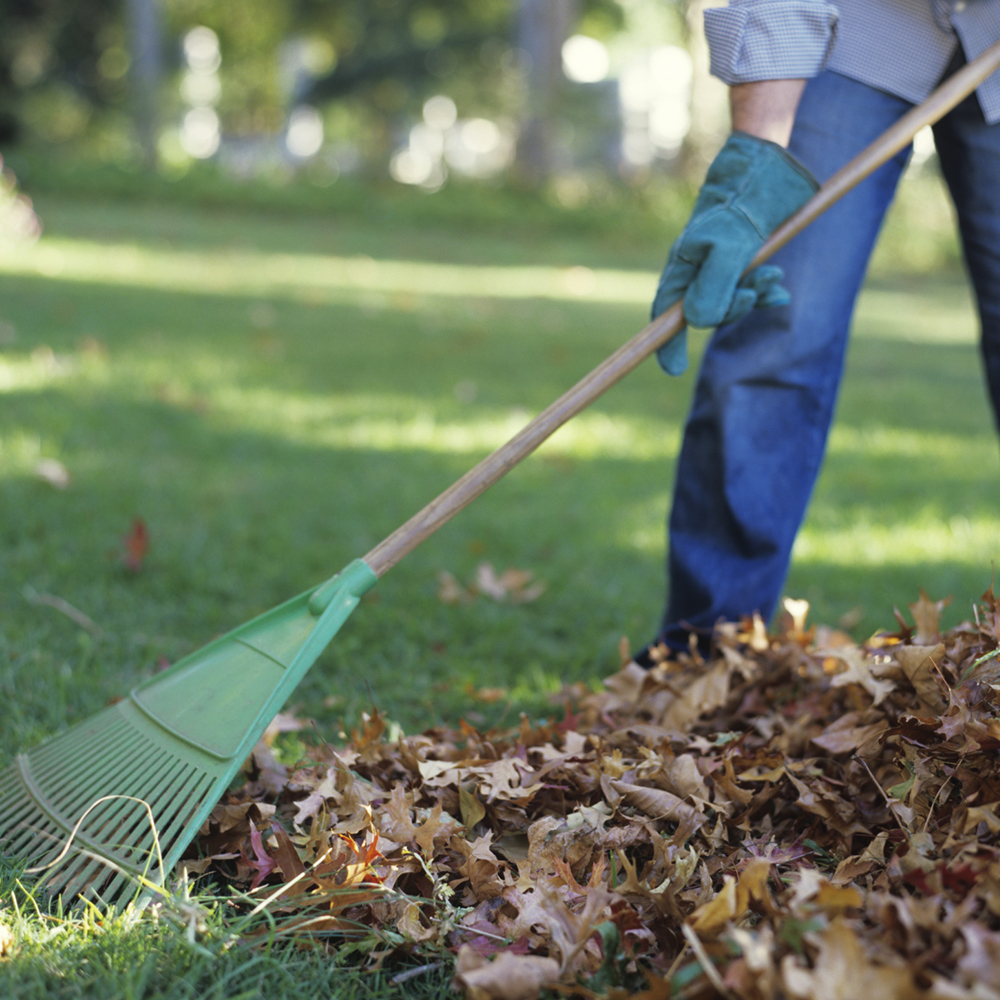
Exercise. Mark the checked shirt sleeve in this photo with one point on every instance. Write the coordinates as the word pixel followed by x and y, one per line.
pixel 753 40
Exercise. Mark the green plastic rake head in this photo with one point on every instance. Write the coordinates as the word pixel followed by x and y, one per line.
pixel 105 810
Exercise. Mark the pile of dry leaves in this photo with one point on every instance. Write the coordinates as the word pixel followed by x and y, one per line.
pixel 799 817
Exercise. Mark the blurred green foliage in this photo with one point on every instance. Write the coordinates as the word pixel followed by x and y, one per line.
pixel 66 117
pixel 66 65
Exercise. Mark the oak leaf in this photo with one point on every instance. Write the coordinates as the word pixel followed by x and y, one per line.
pixel 927 618
pixel 858 670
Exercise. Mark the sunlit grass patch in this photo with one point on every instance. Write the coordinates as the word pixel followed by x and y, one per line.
pixel 33 371
pixel 317 277
pixel 21 450
pixel 927 536
pixel 391 422
pixel 903 313
pixel 876 442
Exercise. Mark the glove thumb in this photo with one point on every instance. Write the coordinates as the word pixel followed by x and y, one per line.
pixel 673 355
pixel 710 295
pixel 677 275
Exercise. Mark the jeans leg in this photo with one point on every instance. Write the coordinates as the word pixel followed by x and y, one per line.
pixel 969 152
pixel 765 394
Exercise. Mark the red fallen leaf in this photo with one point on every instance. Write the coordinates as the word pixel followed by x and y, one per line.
pixel 961 878
pixel 136 545
pixel 569 722
pixel 262 864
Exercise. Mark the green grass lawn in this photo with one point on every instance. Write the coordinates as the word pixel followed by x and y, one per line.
pixel 275 393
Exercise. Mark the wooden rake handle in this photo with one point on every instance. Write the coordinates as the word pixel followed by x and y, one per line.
pixel 479 479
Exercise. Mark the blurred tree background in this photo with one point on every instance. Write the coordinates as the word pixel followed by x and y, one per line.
pixel 583 103
pixel 422 89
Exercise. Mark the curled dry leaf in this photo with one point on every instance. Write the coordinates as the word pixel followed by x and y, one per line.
pixel 507 977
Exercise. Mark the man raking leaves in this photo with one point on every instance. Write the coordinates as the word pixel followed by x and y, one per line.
pixel 822 79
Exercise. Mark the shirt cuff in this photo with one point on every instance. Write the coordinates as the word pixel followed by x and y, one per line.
pixel 770 39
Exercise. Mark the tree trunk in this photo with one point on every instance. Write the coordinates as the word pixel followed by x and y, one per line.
pixel 145 42
pixel 542 27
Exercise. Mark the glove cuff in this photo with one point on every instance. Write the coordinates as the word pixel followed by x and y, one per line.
pixel 774 149
pixel 761 180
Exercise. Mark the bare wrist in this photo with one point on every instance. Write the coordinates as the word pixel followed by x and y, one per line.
pixel 766 109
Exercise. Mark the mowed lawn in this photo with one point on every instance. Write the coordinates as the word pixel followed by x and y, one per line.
pixel 274 394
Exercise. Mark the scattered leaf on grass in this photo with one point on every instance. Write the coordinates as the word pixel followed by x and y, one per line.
pixel 512 586
pixel 136 545
pixel 53 472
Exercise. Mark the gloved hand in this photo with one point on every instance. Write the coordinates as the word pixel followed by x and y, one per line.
pixel 752 186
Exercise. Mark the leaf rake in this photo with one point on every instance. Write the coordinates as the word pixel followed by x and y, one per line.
pixel 105 810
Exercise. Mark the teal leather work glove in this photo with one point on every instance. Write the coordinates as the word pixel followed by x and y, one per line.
pixel 751 188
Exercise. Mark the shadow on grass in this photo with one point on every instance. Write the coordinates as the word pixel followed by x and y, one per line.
pixel 240 429
pixel 240 522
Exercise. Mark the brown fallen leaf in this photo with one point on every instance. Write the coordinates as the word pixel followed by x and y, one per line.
pixel 506 977
pixel 450 591
pixel 657 803
pixel 851 732
pixel 857 669
pixel 286 857
pixel 927 618
pixel 703 695
pixel 512 586
pixel 921 666
pixel 411 925
pixel 843 971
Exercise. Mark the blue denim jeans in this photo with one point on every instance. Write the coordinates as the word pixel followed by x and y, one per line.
pixel 765 395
